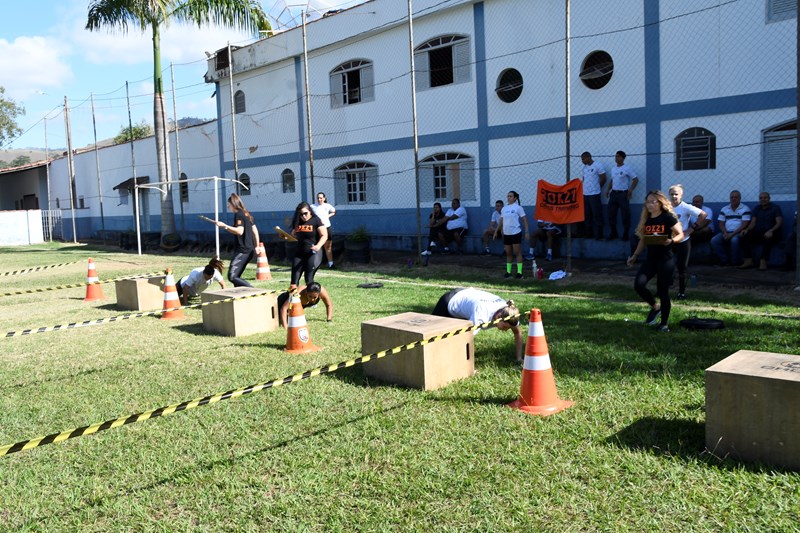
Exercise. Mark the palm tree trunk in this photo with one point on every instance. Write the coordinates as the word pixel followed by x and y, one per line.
pixel 162 140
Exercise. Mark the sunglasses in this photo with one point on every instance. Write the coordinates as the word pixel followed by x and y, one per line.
pixel 304 213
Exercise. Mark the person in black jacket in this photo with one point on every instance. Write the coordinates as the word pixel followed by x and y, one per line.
pixel 246 233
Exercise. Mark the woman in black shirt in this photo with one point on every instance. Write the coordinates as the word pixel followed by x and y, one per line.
pixel 658 229
pixel 311 236
pixel 246 233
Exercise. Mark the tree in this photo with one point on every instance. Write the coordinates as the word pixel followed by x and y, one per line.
pixel 137 131
pixel 153 15
pixel 9 111
pixel 16 162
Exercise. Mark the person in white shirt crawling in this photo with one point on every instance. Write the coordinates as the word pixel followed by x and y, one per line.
pixel 480 307
pixel 199 279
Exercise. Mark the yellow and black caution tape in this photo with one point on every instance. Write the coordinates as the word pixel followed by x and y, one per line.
pixel 230 395
pixel 84 284
pixel 85 323
pixel 35 269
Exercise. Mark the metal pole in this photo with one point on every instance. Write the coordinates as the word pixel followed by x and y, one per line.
pixel 567 124
pixel 414 122
pixel 133 168
pixel 47 172
pixel 97 166
pixel 308 112
pixel 233 120
pixel 177 149
pixel 70 170
pixel 216 212
pixel 797 146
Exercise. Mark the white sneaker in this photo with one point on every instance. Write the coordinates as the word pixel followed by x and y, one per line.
pixel 549 256
pixel 446 249
pixel 426 252
pixel 432 245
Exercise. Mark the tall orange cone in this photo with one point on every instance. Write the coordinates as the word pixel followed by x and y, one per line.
pixel 171 299
pixel 94 291
pixel 262 270
pixel 538 394
pixel 298 338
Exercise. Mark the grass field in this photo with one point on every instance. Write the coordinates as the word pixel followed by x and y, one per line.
pixel 345 453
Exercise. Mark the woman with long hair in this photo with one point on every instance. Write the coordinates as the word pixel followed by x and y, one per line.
pixel 480 307
pixel 199 279
pixel 658 229
pixel 436 223
pixel 685 212
pixel 311 235
pixel 512 218
pixel 246 233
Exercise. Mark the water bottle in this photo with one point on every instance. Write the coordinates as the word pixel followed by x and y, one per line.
pixel 534 270
pixel 540 273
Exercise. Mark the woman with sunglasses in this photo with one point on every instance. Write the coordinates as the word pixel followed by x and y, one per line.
pixel 311 236
pixel 246 233
pixel 658 229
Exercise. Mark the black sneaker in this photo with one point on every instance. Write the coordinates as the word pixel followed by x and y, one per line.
pixel 663 328
pixel 518 276
pixel 652 316
pixel 681 296
pixel 507 275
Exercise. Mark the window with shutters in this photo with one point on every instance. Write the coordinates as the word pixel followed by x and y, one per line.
pixel 695 149
pixel 287 177
pixel 778 10
pixel 238 102
pixel 244 187
pixel 352 83
pixel 779 159
pixel 443 61
pixel 357 183
pixel 184 188
pixel 445 176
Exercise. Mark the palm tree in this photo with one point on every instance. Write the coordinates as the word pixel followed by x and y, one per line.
pixel 153 15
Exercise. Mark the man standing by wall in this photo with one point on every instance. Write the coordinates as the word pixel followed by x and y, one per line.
pixel 620 191
pixel 594 177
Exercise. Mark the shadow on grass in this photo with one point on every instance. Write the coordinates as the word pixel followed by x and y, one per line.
pixel 68 378
pixel 195 329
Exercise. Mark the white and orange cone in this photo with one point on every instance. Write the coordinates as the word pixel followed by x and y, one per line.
pixel 538 394
pixel 262 269
pixel 95 290
pixel 171 299
pixel 298 338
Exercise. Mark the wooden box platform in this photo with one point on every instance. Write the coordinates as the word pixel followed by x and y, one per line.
pixel 752 411
pixel 238 318
pixel 140 294
pixel 426 367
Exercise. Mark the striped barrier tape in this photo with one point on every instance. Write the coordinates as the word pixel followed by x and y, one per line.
pixel 85 323
pixel 232 394
pixel 84 284
pixel 35 269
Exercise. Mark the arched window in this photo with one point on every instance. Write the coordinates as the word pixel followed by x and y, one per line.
pixel 351 83
pixel 238 102
pixel 695 149
pixel 287 177
pixel 184 188
pixel 245 179
pixel 356 183
pixel 443 61
pixel 446 176
pixel 779 159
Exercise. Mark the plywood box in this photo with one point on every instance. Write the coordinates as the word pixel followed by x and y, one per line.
pixel 752 412
pixel 237 318
pixel 140 294
pixel 426 367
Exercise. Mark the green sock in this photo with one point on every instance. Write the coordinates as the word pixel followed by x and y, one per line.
pixel 508 268
pixel 519 268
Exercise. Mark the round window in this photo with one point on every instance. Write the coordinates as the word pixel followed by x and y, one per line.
pixel 509 85
pixel 597 69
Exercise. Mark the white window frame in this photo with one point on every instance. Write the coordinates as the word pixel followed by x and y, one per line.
pixel 287 178
pixel 356 183
pixel 779 159
pixel 690 141
pixel 437 181
pixel 239 102
pixel 778 10
pixel 344 89
pixel 462 60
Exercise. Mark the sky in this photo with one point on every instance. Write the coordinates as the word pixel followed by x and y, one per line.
pixel 46 54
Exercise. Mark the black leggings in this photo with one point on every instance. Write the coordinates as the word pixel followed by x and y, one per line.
pixel 663 268
pixel 238 264
pixel 682 251
pixel 306 264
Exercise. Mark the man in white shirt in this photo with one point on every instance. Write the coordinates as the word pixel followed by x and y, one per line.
pixel 324 212
pixel 733 221
pixel 620 190
pixel 457 224
pixel 594 177
pixel 703 230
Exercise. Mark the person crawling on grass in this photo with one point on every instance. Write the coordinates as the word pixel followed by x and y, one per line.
pixel 310 296
pixel 199 279
pixel 480 307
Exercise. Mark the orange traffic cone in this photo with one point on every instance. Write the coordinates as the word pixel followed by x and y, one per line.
pixel 94 291
pixel 538 394
pixel 171 299
pixel 298 339
pixel 262 270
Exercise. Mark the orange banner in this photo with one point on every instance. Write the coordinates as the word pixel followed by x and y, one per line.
pixel 560 204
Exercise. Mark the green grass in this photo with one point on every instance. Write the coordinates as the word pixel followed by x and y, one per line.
pixel 342 452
